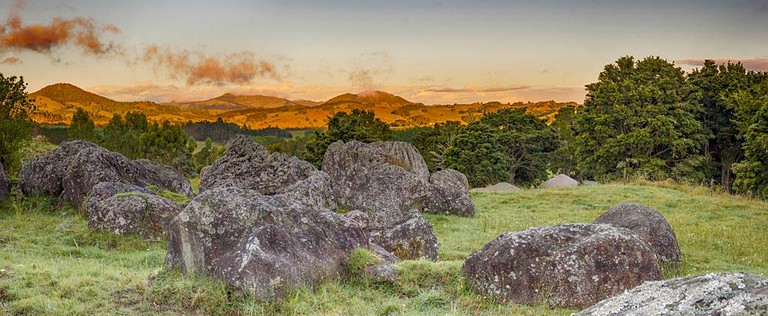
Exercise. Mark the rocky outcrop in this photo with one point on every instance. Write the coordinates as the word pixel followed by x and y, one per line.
pixel 573 265
pixel 559 181
pixel 391 188
pixel 500 187
pixel 725 293
pixel 127 209
pixel 248 165
pixel 264 244
pixel 4 185
pixel 449 194
pixel 74 168
pixel 650 225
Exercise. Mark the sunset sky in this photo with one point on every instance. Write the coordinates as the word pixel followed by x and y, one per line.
pixel 425 51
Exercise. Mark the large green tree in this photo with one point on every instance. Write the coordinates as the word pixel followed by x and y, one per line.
pixel 751 108
pixel 359 125
pixel 527 141
pixel 434 142
pixel 81 127
pixel 564 158
pixel 713 85
pixel 638 121
pixel 15 125
pixel 478 153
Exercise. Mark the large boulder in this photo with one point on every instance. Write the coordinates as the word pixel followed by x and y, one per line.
pixel 364 177
pixel 574 265
pixel 650 225
pixel 127 209
pixel 449 194
pixel 390 186
pixel 4 186
pixel 264 244
pixel 74 168
pixel 559 181
pixel 724 293
pixel 247 165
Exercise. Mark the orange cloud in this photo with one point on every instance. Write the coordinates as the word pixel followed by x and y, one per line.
pixel 758 64
pixel 197 67
pixel 82 32
pixel 10 61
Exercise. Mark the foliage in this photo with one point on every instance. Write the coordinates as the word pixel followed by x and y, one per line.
pixel 81 127
pixel 15 125
pixel 477 153
pixel 359 125
pixel 527 143
pixel 206 155
pixel 434 142
pixel 360 259
pixel 220 131
pixel 638 120
pixel 564 159
pixel 752 121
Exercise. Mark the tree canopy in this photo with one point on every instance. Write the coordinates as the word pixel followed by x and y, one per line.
pixel 15 125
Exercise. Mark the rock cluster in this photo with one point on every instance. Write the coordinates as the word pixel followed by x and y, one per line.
pixel 725 293
pixel 575 265
pixel 108 186
pixel 572 265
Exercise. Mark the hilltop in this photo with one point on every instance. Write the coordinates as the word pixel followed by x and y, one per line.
pixel 56 104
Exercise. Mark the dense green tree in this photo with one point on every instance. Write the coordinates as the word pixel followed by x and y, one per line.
pixel 206 155
pixel 527 141
pixel 751 106
pixel 15 125
pixel 713 84
pixel 166 143
pixel 477 153
pixel 115 135
pixel 434 142
pixel 564 159
pixel 638 121
pixel 358 125
pixel 81 127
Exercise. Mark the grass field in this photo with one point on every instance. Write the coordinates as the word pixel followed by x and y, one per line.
pixel 51 263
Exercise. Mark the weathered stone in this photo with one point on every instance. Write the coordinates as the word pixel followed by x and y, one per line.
pixel 724 293
pixel 449 194
pixel 4 186
pixel 126 209
pixel 498 188
pixel 365 177
pixel 650 225
pixel 72 169
pixel 248 165
pixel 571 265
pixel 381 273
pixel 404 155
pixel 559 181
pixel 263 244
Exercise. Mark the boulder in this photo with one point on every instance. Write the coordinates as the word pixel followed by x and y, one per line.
pixel 126 209
pixel 387 187
pixel 724 293
pixel 572 266
pixel 559 181
pixel 650 225
pixel 74 168
pixel 4 185
pixel 449 194
pixel 404 155
pixel 247 165
pixel 264 244
pixel 498 188
pixel 381 273
pixel 365 178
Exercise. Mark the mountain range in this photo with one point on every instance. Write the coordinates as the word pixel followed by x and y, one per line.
pixel 57 103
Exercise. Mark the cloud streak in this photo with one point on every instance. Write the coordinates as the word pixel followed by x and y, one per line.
pixel 10 61
pixel 758 64
pixel 475 90
pixel 83 33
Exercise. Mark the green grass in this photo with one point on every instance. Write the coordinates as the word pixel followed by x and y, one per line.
pixel 51 263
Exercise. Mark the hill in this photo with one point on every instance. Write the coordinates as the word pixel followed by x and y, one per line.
pixel 53 264
pixel 57 103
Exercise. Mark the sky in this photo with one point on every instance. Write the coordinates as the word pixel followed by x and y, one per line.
pixel 429 51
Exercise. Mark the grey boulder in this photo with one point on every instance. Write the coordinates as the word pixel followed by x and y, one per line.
pixel 126 209
pixel 650 225
pixel 559 181
pixel 724 293
pixel 248 165
pixel 574 265
pixel 449 194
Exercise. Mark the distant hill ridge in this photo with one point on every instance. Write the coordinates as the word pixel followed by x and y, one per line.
pixel 56 104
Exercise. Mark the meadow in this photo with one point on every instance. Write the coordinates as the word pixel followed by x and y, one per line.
pixel 51 263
